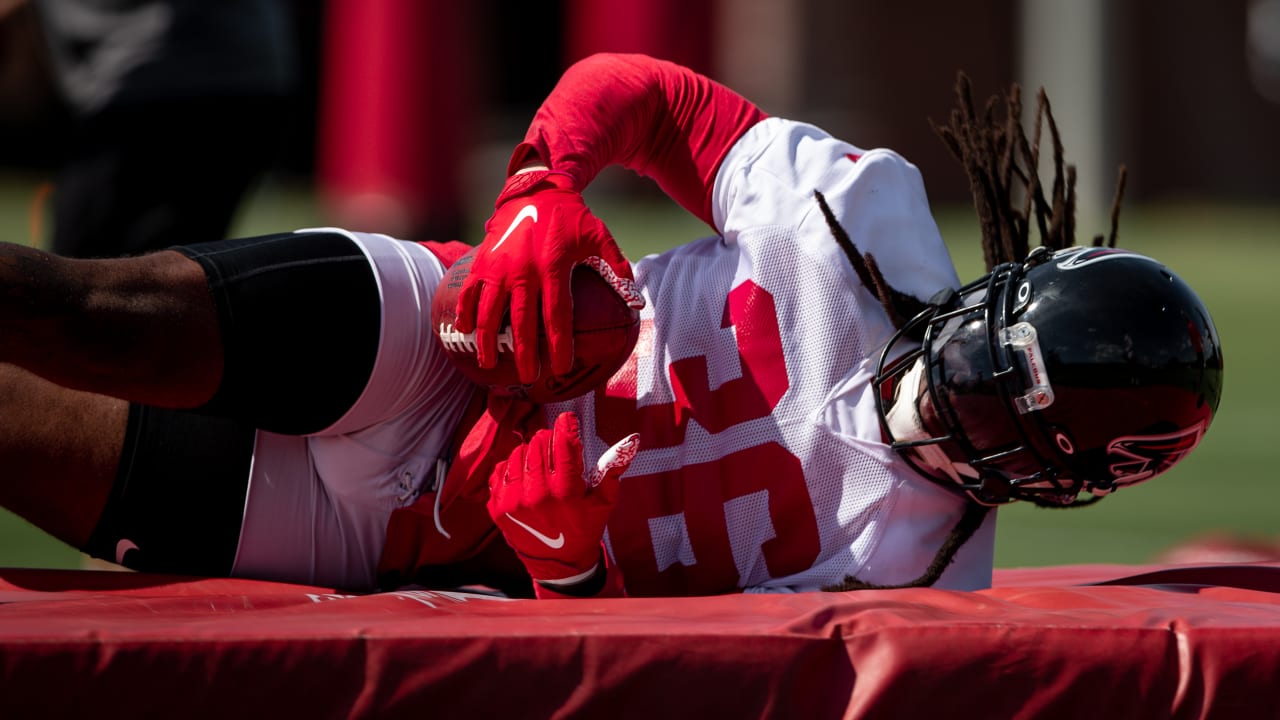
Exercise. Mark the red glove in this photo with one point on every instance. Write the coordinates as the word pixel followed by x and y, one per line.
pixel 551 512
pixel 541 230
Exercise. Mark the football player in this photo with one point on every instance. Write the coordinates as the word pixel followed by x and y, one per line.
pixel 815 402
pixel 818 402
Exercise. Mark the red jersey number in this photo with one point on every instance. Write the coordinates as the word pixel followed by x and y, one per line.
pixel 694 500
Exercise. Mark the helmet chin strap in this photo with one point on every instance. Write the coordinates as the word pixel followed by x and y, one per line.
pixel 906 425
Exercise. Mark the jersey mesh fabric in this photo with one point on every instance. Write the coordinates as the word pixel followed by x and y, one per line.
pixel 756 344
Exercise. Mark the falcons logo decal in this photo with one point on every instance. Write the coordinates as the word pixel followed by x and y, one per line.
pixel 1077 257
pixel 1138 457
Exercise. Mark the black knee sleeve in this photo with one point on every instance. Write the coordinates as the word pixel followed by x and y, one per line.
pixel 178 499
pixel 300 317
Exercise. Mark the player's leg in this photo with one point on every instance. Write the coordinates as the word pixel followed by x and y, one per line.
pixel 299 324
pixel 157 490
pixel 280 331
pixel 300 321
pixel 142 329
pixel 296 319
pixel 97 333
pixel 346 307
pixel 59 450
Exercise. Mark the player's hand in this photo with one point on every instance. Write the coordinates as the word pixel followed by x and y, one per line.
pixel 539 233
pixel 551 511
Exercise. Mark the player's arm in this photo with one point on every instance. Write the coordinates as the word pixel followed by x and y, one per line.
pixel 659 119
pixel 651 116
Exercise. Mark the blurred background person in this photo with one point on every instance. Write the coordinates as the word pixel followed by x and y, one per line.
pixel 176 109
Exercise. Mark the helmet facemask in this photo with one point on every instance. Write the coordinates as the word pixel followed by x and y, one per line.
pixel 979 380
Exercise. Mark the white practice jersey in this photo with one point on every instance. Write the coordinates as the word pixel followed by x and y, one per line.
pixel 762 465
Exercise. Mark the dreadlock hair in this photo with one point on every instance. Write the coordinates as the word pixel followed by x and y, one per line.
pixel 900 306
pixel 965 527
pixel 1004 178
pixel 1003 171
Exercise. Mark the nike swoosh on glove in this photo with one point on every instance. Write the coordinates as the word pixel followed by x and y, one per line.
pixel 541 230
pixel 552 512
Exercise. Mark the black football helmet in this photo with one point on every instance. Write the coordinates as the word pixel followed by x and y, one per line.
pixel 1081 369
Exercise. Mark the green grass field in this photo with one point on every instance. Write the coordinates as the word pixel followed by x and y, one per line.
pixel 1231 255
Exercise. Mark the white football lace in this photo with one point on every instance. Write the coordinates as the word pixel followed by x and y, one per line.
pixel 455 341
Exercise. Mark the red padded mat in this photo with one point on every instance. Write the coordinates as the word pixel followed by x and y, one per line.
pixel 1071 642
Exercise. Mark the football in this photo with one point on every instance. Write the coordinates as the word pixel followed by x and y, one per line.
pixel 605 331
